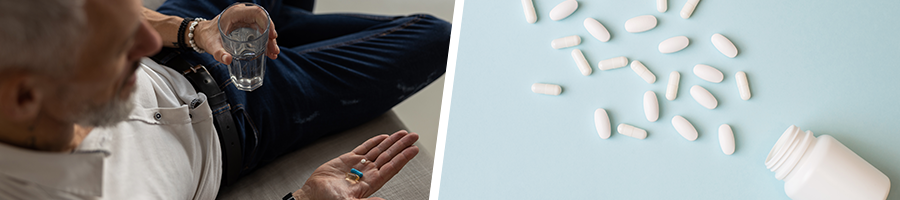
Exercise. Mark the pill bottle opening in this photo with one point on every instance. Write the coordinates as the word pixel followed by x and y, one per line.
pixel 781 146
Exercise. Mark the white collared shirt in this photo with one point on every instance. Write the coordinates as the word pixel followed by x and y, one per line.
pixel 165 150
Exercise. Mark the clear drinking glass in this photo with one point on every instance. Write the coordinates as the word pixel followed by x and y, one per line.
pixel 244 28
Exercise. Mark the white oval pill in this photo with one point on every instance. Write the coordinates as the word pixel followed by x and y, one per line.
pixel 601 121
pixel 543 88
pixel 563 10
pixel 631 131
pixel 612 63
pixel 662 5
pixel 702 96
pixel 688 8
pixel 743 87
pixel 724 45
pixel 673 44
pixel 530 16
pixel 684 128
pixel 563 42
pixel 708 73
pixel 672 88
pixel 640 23
pixel 726 139
pixel 581 62
pixel 651 106
pixel 596 29
pixel 643 72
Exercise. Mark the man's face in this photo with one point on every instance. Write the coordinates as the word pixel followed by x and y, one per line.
pixel 98 89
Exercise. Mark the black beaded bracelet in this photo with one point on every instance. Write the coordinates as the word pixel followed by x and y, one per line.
pixel 289 196
pixel 181 29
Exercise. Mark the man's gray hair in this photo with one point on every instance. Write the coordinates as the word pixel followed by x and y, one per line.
pixel 41 35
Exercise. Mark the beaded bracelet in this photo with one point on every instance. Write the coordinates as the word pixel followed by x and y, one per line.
pixel 181 29
pixel 191 35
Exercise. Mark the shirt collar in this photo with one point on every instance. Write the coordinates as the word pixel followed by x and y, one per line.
pixel 80 172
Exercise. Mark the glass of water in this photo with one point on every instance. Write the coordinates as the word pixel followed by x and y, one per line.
pixel 244 28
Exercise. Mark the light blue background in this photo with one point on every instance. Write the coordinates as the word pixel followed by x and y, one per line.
pixel 826 66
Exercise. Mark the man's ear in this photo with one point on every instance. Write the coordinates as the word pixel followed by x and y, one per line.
pixel 20 97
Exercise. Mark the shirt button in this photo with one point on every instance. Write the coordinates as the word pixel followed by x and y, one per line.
pixel 157 116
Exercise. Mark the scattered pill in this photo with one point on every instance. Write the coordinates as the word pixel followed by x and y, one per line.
pixel 631 131
pixel 726 139
pixel 651 106
pixel 563 42
pixel 643 72
pixel 563 10
pixel 548 89
pixel 612 63
pixel 724 45
pixel 684 128
pixel 601 121
pixel 702 96
pixel 596 29
pixel 688 8
pixel 662 5
pixel 640 23
pixel 582 63
pixel 530 16
pixel 672 88
pixel 708 73
pixel 673 44
pixel 743 87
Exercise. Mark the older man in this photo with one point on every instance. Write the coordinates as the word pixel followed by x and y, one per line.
pixel 85 115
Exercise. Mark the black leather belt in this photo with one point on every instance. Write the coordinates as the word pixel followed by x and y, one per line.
pixel 232 160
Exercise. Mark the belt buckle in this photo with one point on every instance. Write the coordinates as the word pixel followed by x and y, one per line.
pixel 195 69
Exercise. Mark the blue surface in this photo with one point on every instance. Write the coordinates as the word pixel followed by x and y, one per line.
pixel 826 66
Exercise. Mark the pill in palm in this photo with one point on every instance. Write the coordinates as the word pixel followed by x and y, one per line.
pixel 662 5
pixel 612 63
pixel 651 106
pixel 673 44
pixel 643 72
pixel 702 96
pixel 530 16
pixel 631 131
pixel 672 88
pixel 726 139
pixel 563 10
pixel 743 87
pixel 548 89
pixel 684 128
pixel 563 42
pixel 601 121
pixel 596 29
pixel 688 8
pixel 640 23
pixel 708 73
pixel 581 62
pixel 724 45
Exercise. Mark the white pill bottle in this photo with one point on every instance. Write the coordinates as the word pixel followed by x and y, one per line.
pixel 822 168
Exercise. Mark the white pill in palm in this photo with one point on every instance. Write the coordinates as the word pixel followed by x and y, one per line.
pixel 651 106
pixel 724 45
pixel 530 16
pixel 581 62
pixel 612 63
pixel 563 10
pixel 601 121
pixel 662 5
pixel 673 44
pixel 672 88
pixel 742 84
pixel 596 29
pixel 702 96
pixel 726 139
pixel 563 42
pixel 640 23
pixel 688 8
pixel 631 131
pixel 708 73
pixel 684 128
pixel 643 72
pixel 548 89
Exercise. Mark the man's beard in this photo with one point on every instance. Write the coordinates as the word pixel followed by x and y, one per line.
pixel 110 113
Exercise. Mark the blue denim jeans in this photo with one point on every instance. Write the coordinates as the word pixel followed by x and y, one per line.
pixel 335 71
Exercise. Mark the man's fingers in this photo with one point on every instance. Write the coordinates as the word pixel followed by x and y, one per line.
pixel 394 166
pixel 365 146
pixel 395 148
pixel 373 153
pixel 272 47
pixel 221 55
